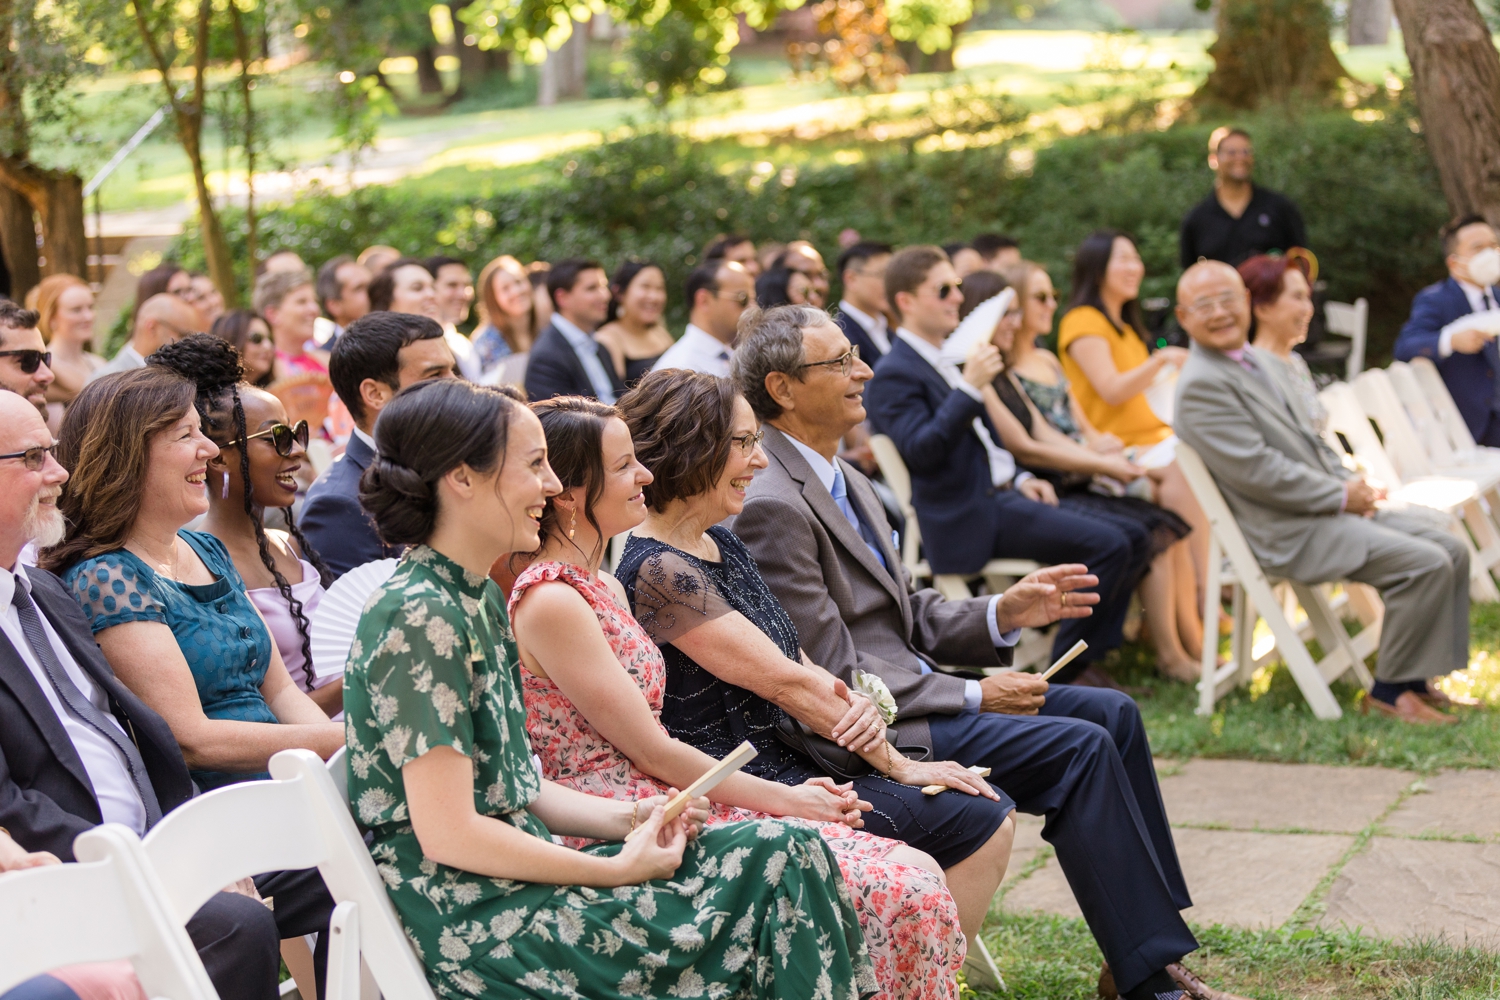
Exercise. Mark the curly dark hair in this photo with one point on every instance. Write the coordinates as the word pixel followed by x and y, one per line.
pixel 213 366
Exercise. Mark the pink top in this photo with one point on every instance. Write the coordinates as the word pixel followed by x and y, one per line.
pixel 301 363
pixel 278 615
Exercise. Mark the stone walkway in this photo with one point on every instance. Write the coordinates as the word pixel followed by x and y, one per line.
pixel 1262 845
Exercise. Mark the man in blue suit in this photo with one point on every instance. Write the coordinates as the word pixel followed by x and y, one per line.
pixel 862 309
pixel 1448 324
pixel 973 502
pixel 376 357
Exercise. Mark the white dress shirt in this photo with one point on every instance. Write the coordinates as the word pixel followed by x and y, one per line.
pixel 1002 462
pixel 115 790
pixel 587 349
pixel 973 693
pixel 1477 304
pixel 876 326
pixel 463 353
pixel 699 351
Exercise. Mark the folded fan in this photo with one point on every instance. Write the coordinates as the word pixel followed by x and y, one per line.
pixel 337 617
pixel 979 325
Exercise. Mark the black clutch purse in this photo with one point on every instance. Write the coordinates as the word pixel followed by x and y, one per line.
pixel 837 762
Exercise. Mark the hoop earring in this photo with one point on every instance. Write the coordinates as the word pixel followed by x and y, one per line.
pixel 573 524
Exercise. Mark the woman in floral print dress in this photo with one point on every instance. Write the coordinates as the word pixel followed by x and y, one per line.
pixel 619 677
pixel 441 770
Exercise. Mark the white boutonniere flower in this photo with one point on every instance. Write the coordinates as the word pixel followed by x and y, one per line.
pixel 874 688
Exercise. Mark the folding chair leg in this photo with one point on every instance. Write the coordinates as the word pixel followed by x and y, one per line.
pixel 1242 640
pixel 299 962
pixel 1304 671
pixel 980 969
pixel 343 953
pixel 1208 686
pixel 1339 652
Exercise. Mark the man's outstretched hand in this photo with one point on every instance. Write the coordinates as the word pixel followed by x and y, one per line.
pixel 1046 596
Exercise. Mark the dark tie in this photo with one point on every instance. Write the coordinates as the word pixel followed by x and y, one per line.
pixel 1489 303
pixel 36 638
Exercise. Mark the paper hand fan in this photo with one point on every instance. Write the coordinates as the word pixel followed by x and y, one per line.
pixel 1161 395
pixel 337 617
pixel 977 326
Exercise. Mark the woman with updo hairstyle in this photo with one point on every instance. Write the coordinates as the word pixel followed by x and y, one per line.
pixel 633 330
pixel 589 669
pixel 735 668
pixel 256 468
pixel 65 310
pixel 167 605
pixel 461 821
pixel 1282 306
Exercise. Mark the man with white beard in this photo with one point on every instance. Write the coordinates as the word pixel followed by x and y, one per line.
pixel 77 748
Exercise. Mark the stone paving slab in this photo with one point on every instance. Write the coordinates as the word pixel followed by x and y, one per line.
pixel 1456 804
pixel 1249 795
pixel 1414 888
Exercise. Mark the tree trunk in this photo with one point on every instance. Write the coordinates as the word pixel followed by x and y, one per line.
pixel 475 65
pixel 18 242
pixel 56 199
pixel 429 80
pixel 1456 72
pixel 210 229
pixel 1271 50
pixel 1369 22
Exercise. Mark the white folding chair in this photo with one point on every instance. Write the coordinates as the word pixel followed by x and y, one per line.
pixel 1254 596
pixel 109 906
pixel 1344 319
pixel 1035 646
pixel 1443 406
pixel 1454 498
pixel 297 820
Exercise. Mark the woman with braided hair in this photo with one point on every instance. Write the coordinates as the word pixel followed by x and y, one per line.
pixel 259 456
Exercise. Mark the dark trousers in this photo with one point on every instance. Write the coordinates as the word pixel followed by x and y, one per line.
pixel 302 905
pixel 239 944
pixel 1051 535
pixel 1084 764
pixel 1490 437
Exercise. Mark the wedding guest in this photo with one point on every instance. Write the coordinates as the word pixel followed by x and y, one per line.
pixel 162 319
pixel 566 359
pixel 734 663
pixel 166 278
pixel 286 300
pixel 803 257
pixel 998 251
pixel 453 288
pixel 461 823
pixel 717 294
pixel 405 286
pixel 1282 306
pixel 633 330
pixel 65 318
pixel 249 334
pixel 283 262
pixel 378 257
pixel 343 291
pixel 205 296
pixel 1166 588
pixel 736 247
pixel 507 322
pixel 24 359
pixel 863 308
pixel 588 668
pixel 256 467
pixel 378 355
pixel 77 747
pixel 780 287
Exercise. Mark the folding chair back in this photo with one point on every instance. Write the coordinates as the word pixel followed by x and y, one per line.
pixel 1425 420
pixel 297 820
pixel 1346 418
pixel 107 907
pixel 1441 401
pixel 1344 319
pixel 1377 397
pixel 893 470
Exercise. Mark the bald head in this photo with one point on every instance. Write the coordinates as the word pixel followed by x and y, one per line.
pixel 161 320
pixel 1213 305
pixel 18 419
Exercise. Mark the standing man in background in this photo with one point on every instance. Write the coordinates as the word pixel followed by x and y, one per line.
pixel 1238 219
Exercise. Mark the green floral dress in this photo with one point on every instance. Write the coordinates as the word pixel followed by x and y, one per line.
pixel 756 909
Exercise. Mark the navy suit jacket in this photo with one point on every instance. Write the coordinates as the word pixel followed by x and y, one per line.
pixel 332 519
pixel 869 351
pixel 932 425
pixel 554 369
pixel 1470 377
pixel 46 797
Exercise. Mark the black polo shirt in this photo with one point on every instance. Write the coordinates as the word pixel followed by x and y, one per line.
pixel 1270 222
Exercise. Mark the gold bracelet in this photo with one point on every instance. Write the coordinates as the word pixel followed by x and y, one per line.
pixel 889 764
pixel 635 815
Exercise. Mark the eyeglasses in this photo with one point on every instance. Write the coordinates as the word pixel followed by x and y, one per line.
pixel 844 361
pixel 946 289
pixel 741 299
pixel 257 338
pixel 1207 307
pixel 29 361
pixel 747 443
pixel 282 437
pixel 34 458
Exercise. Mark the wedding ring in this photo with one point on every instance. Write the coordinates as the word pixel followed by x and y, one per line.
pixel 1065 599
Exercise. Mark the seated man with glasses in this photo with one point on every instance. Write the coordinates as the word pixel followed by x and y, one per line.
pixel 973 503
pixel 25 362
pixel 1305 516
pixel 717 293
pixel 162 319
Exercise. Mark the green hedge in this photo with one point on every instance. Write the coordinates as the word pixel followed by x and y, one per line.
pixel 1368 190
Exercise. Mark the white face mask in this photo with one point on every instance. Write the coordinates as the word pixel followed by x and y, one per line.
pixel 1484 268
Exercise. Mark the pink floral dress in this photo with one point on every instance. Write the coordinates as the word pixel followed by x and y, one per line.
pixel 907 915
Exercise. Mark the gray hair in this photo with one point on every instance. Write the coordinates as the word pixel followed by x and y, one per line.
pixel 274 286
pixel 769 341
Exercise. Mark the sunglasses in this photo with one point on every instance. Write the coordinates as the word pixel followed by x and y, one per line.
pixel 257 338
pixel 29 361
pixel 283 437
pixel 946 289
pixel 33 458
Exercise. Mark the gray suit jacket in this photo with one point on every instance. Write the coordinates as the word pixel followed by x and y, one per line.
pixel 850 612
pixel 1281 480
pixel 124 360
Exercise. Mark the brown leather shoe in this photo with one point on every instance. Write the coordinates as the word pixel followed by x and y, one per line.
pixel 1107 989
pixel 1408 708
pixel 1196 988
pixel 1435 697
pixel 1093 676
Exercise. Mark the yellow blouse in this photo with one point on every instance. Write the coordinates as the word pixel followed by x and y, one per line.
pixel 1133 422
